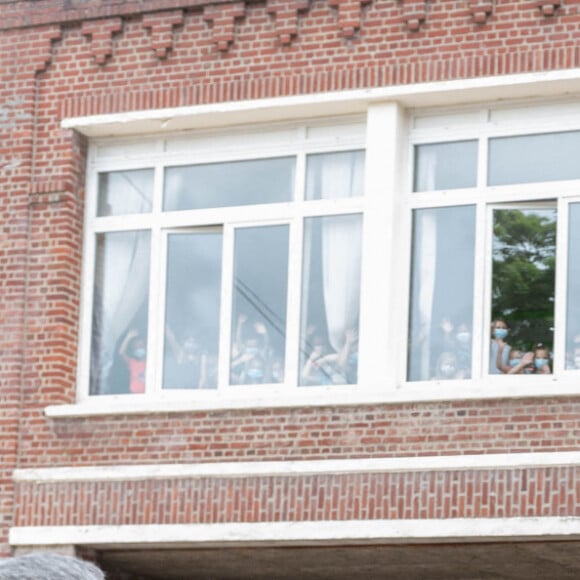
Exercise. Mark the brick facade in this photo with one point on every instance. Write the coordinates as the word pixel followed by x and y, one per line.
pixel 65 59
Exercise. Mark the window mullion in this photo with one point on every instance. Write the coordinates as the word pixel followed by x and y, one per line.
pixel 157 289
pixel 380 323
pixel 560 290
pixel 481 293
pixel 295 273
pixel 226 307
pixel 156 312
pixel 291 374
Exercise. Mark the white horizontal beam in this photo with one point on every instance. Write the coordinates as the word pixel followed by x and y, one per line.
pixel 392 531
pixel 303 468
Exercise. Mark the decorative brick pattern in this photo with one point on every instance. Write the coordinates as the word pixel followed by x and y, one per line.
pixel 348 15
pixel 548 8
pixel 480 10
pixel 161 25
pixel 101 33
pixel 414 13
pixel 49 35
pixel 223 22
pixel 432 495
pixel 286 13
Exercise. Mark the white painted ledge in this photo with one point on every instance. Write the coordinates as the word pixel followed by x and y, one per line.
pixel 279 533
pixel 301 468
pixel 447 93
pixel 202 401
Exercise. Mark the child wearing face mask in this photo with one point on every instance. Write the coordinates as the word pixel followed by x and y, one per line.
pixel 519 362
pixel 499 349
pixel 447 367
pixel 535 362
pixel 134 353
pixel 542 359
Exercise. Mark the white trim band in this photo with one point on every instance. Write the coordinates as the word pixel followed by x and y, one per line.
pixel 304 468
pixel 394 531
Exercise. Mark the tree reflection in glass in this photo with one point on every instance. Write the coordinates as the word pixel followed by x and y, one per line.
pixel 524 264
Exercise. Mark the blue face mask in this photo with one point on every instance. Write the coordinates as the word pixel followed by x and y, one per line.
pixel 500 333
pixel 255 374
pixel 514 362
pixel 139 353
pixel 540 362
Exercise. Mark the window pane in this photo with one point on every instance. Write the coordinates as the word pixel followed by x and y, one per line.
pixel 442 293
pixel 192 310
pixel 229 184
pixel 534 158
pixel 330 300
pixel 573 303
pixel 121 295
pixel 524 263
pixel 445 166
pixel 259 305
pixel 335 175
pixel 125 192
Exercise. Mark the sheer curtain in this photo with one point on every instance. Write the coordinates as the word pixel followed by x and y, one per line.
pixel 121 285
pixel 427 249
pixel 341 177
pixel 426 225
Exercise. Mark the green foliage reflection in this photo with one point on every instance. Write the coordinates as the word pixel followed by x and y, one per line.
pixel 524 265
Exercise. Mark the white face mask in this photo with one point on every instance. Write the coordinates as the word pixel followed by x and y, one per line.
pixel 447 370
pixel 463 337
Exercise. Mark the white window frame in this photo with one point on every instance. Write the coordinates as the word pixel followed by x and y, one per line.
pixel 299 140
pixel 482 124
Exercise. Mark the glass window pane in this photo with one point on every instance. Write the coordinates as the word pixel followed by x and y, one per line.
pixel 524 264
pixel 573 302
pixel 192 310
pixel 125 192
pixel 259 305
pixel 120 302
pixel 445 166
pixel 229 184
pixel 534 158
pixel 330 300
pixel 335 175
pixel 440 341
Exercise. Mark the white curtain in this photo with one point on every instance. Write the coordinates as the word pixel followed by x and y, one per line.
pixel 122 285
pixel 427 251
pixel 341 177
pixel 427 248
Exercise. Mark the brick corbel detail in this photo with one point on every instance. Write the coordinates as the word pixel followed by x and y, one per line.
pixel 548 8
pixel 49 35
pixel 101 33
pixel 414 13
pixel 286 14
pixel 480 11
pixel 223 19
pixel 349 12
pixel 161 25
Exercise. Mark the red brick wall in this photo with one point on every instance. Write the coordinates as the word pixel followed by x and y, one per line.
pixel 66 58
pixel 311 433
